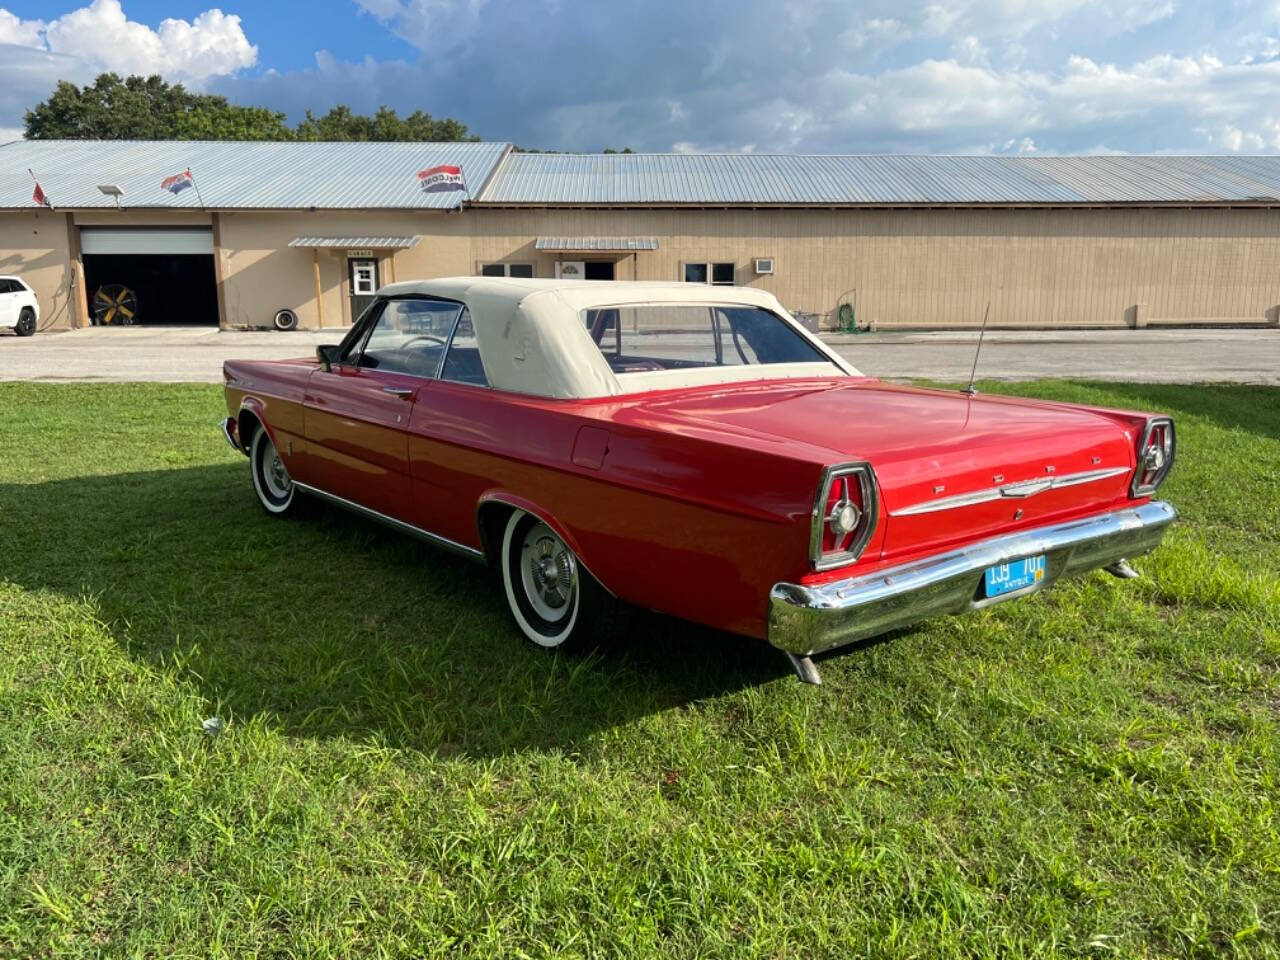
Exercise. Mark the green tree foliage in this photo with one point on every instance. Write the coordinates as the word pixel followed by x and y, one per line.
pixel 341 124
pixel 149 108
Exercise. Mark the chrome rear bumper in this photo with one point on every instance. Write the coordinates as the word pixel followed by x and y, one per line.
pixel 231 432
pixel 804 620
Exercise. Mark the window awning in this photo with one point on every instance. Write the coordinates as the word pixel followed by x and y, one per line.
pixel 597 244
pixel 357 243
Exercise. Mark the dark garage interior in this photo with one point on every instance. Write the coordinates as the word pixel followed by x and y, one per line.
pixel 177 288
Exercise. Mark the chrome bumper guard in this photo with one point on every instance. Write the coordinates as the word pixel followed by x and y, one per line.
pixel 804 620
pixel 230 431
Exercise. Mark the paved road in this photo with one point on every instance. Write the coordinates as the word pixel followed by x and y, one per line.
pixel 1166 356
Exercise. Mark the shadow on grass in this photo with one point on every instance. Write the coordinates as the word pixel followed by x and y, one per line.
pixel 330 625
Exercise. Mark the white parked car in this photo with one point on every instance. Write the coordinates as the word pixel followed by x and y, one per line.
pixel 19 308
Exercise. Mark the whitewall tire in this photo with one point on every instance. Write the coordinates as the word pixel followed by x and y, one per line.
pixel 271 480
pixel 553 600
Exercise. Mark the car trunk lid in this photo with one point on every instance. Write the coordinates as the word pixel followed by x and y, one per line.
pixel 950 467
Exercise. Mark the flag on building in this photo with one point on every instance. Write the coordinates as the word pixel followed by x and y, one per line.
pixel 441 179
pixel 38 195
pixel 177 183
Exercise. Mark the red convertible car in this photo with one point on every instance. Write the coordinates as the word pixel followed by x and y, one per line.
pixel 693 450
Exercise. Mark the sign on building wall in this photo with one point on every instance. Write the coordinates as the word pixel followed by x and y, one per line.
pixel 360 254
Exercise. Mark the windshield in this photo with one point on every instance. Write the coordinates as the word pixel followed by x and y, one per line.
pixel 663 336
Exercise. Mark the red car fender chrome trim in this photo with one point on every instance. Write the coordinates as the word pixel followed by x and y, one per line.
pixel 231 431
pixel 521 503
pixel 256 407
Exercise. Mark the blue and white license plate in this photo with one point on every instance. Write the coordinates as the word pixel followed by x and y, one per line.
pixel 1007 577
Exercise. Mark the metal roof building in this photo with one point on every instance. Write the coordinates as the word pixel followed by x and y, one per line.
pixel 774 179
pixel 231 175
pixel 313 229
pixel 346 176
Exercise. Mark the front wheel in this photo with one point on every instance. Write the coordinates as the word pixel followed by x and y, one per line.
pixel 271 481
pixel 26 323
pixel 554 601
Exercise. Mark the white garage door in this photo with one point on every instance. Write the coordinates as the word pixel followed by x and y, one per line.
pixel 146 240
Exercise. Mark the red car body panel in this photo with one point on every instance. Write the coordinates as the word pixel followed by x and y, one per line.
pixel 696 501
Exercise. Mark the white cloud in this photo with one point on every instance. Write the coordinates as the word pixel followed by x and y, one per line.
pixel 213 44
pixel 436 24
pixel 15 30
pixel 36 54
pixel 100 37
pixel 955 76
pixel 969 49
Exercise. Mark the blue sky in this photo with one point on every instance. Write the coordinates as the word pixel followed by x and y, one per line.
pixel 928 76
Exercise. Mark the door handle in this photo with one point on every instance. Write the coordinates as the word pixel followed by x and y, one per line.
pixel 404 393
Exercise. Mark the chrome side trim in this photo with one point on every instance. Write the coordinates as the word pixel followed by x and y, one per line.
pixel 1024 488
pixel 807 619
pixel 471 553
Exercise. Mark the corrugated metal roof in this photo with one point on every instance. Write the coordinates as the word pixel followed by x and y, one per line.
pixel 596 243
pixel 371 243
pixel 715 179
pixel 239 175
pixel 252 175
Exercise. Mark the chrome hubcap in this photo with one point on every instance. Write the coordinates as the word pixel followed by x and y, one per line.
pixel 276 477
pixel 549 572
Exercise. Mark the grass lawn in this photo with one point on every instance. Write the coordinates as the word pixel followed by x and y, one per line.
pixel 1092 771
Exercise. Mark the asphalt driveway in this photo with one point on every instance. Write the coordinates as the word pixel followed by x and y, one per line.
pixel 170 354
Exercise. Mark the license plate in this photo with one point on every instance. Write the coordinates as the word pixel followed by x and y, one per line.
pixel 1007 577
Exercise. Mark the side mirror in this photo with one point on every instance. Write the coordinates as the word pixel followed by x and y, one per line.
pixel 327 354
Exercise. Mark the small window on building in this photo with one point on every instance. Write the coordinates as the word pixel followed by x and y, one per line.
pixel 506 270
pixel 720 274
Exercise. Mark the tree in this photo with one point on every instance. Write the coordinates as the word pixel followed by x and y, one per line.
pixel 386 125
pixel 147 108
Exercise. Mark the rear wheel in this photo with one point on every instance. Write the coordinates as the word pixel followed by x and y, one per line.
pixel 554 601
pixel 271 481
pixel 26 323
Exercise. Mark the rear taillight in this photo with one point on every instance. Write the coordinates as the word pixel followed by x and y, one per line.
pixel 844 515
pixel 1155 456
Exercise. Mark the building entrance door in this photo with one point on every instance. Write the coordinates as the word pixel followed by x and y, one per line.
pixel 363 276
pixel 599 269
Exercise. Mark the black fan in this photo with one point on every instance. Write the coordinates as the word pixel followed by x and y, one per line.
pixel 114 303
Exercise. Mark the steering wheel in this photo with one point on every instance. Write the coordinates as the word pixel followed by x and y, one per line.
pixel 439 341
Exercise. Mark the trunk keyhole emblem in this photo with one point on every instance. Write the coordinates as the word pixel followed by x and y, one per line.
pixel 1017 514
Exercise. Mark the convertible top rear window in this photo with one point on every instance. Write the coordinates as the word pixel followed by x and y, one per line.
pixel 644 338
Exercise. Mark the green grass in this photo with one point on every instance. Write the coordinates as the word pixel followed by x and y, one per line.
pixel 1089 772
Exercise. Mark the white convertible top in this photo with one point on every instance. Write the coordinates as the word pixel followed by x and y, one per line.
pixel 532 339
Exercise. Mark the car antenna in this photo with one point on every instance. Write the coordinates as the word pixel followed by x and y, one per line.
pixel 970 389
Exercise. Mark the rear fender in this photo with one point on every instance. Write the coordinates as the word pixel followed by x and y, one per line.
pixel 528 506
pixel 253 408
